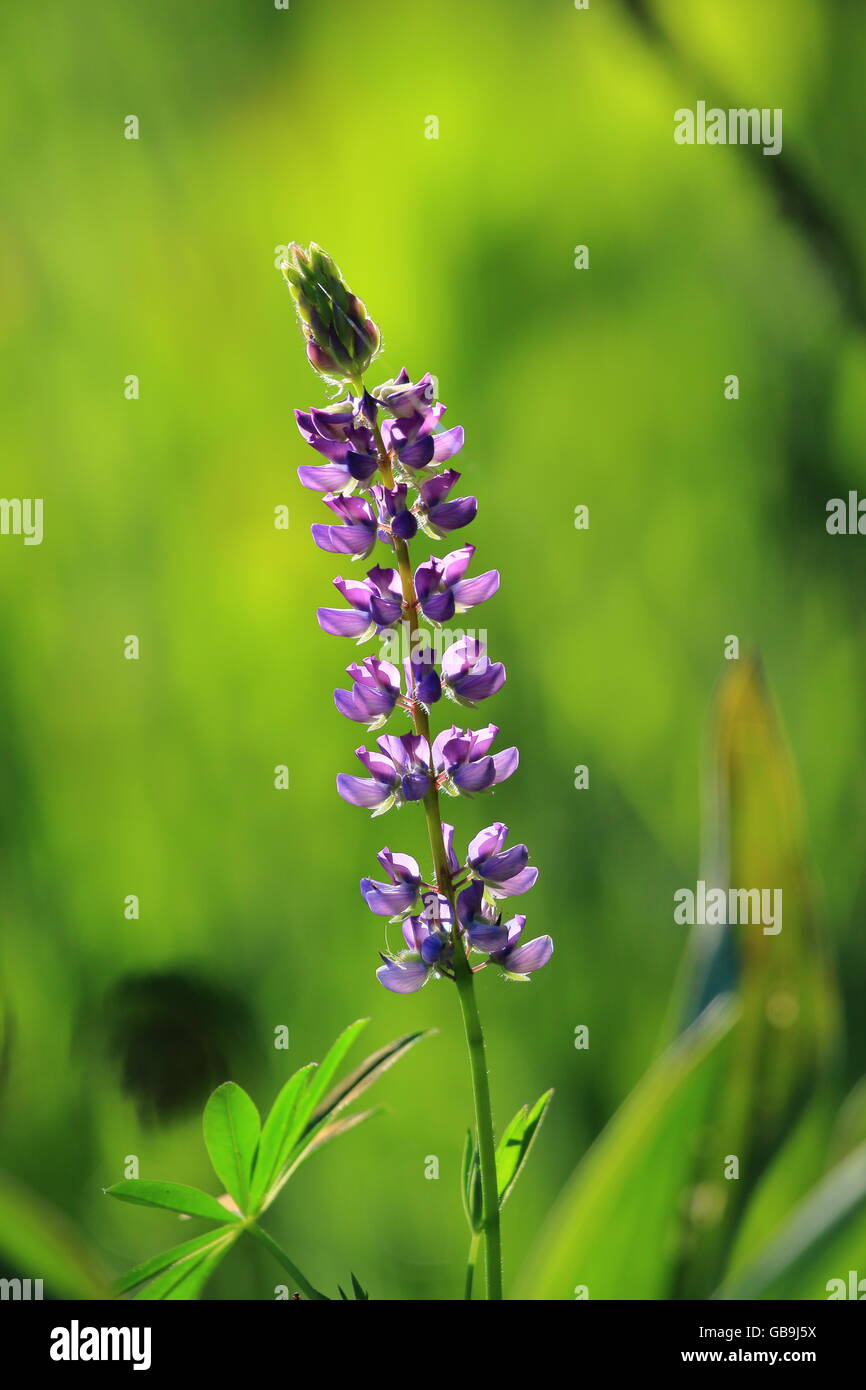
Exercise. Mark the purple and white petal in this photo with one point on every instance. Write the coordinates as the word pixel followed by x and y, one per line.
pixel 470 592
pixel 520 961
pixel 403 977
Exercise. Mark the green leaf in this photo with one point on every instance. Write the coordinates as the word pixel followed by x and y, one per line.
pixel 172 1196
pixel 187 1279
pixel 358 1081
pixel 822 1241
pixel 799 1164
pixel 615 1224
pixel 360 1294
pixel 325 1133
pixel 178 1254
pixel 280 1133
pixel 327 1070
pixel 38 1241
pixel 785 1045
pixel 231 1133
pixel 517 1139
pixel 470 1186
pixel 347 1091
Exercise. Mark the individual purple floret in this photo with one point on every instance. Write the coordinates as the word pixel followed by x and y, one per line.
pixel 442 589
pixel 375 691
pixel 485 931
pixel 463 761
pixel 409 435
pixel 400 893
pixel 437 515
pixel 345 439
pixel 505 872
pixel 430 948
pixel 377 603
pixel 395 518
pixel 468 675
pixel 399 772
pixel 356 535
pixel 422 678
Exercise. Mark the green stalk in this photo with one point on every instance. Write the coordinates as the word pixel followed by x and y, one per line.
pixel 463 974
pixel 282 1258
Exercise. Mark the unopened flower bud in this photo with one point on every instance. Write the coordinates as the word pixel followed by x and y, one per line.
pixel 342 339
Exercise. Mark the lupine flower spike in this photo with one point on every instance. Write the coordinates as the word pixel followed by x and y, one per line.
pixel 383 466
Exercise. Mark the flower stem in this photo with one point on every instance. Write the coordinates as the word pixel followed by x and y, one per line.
pixel 462 970
pixel 291 1269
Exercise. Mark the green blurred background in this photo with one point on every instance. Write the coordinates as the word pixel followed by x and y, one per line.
pixel 602 387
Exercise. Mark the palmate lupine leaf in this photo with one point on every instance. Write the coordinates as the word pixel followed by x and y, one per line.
pixel 253 1163
pixel 231 1133
pixel 171 1196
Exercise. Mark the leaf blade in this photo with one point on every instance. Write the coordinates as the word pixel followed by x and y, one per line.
pixel 156 1264
pixel 279 1133
pixel 170 1196
pixel 231 1128
pixel 187 1279
pixel 611 1227
pixel 515 1144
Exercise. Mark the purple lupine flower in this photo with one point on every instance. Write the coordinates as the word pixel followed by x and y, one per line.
pixel 485 931
pixel 505 872
pixel 375 692
pixel 430 944
pixel 395 518
pixel 399 772
pixel 442 590
pixel 400 893
pixel 376 604
pixel 410 434
pixel 403 397
pixel 346 441
pixel 463 761
pixel 467 673
pixel 437 516
pixel 357 534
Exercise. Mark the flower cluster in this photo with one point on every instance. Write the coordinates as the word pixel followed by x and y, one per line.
pixel 490 872
pixel 384 471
